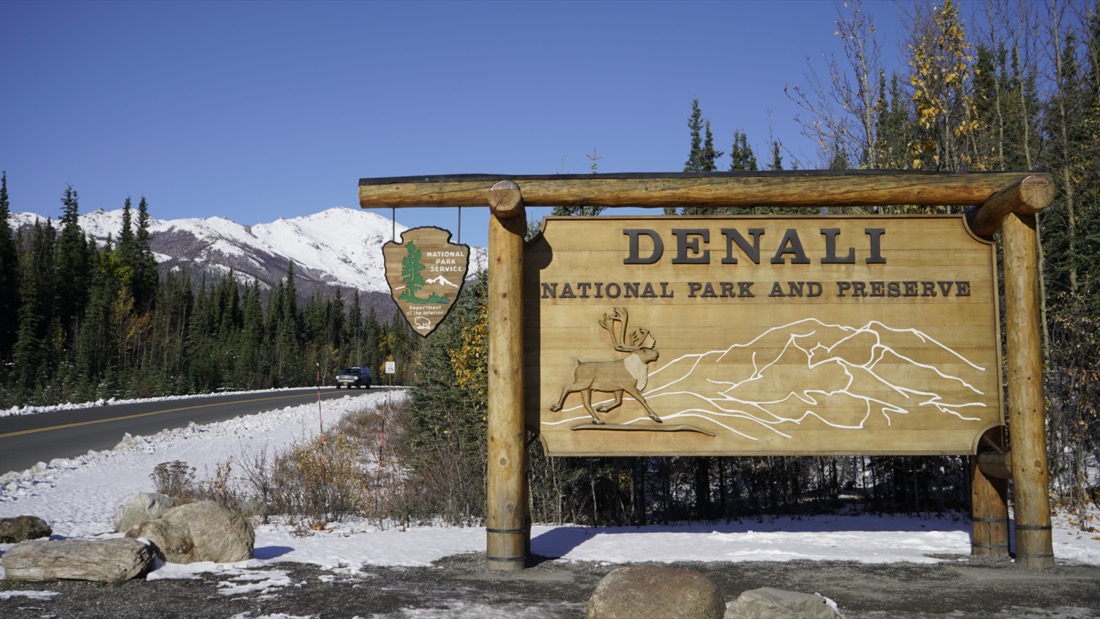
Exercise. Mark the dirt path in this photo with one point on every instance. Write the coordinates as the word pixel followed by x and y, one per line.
pixel 460 586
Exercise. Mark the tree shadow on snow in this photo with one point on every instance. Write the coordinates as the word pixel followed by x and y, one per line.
pixel 271 552
pixel 561 540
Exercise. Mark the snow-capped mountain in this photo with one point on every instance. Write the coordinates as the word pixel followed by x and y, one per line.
pixel 338 247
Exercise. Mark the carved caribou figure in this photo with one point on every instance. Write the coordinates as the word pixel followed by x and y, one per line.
pixel 628 375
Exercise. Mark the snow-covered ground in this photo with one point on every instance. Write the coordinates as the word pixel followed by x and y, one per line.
pixel 81 496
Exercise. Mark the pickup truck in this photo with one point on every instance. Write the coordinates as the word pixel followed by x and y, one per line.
pixel 354 377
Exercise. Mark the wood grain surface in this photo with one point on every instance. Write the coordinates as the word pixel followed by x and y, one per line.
pixel 732 189
pixel 834 335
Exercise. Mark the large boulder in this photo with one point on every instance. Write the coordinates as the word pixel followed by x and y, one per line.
pixel 107 560
pixel 23 528
pixel 769 603
pixel 203 531
pixel 145 506
pixel 652 592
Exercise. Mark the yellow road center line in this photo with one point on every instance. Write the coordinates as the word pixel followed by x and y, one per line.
pixel 137 415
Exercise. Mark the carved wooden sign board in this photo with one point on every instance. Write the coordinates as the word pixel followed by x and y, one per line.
pixel 425 273
pixel 761 336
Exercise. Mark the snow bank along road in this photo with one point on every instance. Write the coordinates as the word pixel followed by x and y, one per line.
pixel 27 439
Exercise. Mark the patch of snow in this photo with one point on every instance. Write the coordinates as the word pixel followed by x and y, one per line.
pixel 259 583
pixel 474 610
pixel 32 595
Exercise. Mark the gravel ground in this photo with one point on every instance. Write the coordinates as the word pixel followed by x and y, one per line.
pixel 460 586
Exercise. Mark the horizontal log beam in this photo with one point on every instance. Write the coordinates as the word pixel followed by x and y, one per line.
pixel 797 188
pixel 996 465
pixel 1027 197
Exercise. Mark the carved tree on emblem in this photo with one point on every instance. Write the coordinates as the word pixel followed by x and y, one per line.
pixel 412 272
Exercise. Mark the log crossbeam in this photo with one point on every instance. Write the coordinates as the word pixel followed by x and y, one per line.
pixel 719 190
pixel 996 465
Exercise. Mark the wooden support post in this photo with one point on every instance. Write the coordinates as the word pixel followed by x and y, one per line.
pixel 507 521
pixel 1034 544
pixel 989 498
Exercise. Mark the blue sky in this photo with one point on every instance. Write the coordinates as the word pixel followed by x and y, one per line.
pixel 257 110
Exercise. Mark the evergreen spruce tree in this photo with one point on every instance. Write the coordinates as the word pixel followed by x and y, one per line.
pixel 289 308
pixel 36 351
pixel 702 156
pixel 839 158
pixel 201 346
pixel 98 348
pixel 353 334
pixel 175 306
pixel 447 409
pixel 777 157
pixel 988 107
pixel 695 161
pixel 742 159
pixel 127 245
pixel 228 317
pixel 400 348
pixel 9 278
pixel 74 266
pixel 251 370
pixel 894 129
pixel 289 365
pixel 708 158
pixel 695 158
pixel 1005 109
pixel 1071 242
pixel 145 280
pixel 334 323
pixel 372 342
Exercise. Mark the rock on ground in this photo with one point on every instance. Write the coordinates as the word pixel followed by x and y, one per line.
pixel 108 560
pixel 145 506
pixel 652 592
pixel 23 528
pixel 769 603
pixel 203 531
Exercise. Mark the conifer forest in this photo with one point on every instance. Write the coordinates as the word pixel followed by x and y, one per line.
pixel 991 85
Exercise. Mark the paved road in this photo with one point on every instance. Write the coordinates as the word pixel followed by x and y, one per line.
pixel 26 440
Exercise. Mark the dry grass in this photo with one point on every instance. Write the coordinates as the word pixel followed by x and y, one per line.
pixel 363 467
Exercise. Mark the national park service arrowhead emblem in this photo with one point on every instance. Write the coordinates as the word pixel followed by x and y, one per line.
pixel 425 273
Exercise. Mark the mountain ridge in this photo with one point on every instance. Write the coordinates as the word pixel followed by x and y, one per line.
pixel 338 247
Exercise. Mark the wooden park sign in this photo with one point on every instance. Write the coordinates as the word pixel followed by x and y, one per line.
pixel 752 335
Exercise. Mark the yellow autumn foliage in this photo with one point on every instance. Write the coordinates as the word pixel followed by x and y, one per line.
pixel 470 361
pixel 941 76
